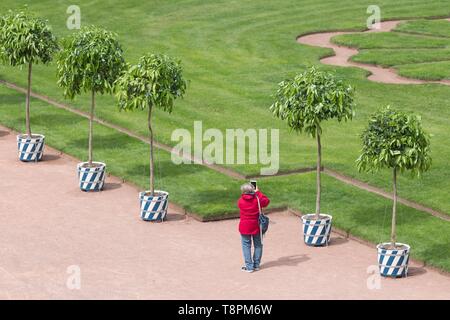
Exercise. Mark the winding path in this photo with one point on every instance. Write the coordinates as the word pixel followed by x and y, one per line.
pixel 343 54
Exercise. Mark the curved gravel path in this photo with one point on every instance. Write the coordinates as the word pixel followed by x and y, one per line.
pixel 343 54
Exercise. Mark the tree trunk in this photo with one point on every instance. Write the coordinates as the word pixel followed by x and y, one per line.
pixel 152 173
pixel 319 165
pixel 394 210
pixel 91 120
pixel 27 109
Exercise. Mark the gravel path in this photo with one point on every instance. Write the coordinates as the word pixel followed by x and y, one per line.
pixel 48 225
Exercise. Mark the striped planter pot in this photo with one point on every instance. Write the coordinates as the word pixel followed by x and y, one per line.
pixel 316 232
pixel 91 179
pixel 30 148
pixel 393 262
pixel 154 208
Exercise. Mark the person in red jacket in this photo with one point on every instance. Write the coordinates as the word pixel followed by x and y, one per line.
pixel 249 225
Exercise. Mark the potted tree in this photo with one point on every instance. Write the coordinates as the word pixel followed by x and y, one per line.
pixel 394 140
pixel 91 61
pixel 304 102
pixel 27 40
pixel 156 81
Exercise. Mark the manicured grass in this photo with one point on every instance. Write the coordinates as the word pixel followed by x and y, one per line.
pixel 235 52
pixel 427 27
pixel 367 216
pixel 195 187
pixel 414 56
pixel 389 40
pixel 394 57
pixel 426 71
pixel 211 194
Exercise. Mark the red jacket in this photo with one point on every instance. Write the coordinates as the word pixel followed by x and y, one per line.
pixel 249 213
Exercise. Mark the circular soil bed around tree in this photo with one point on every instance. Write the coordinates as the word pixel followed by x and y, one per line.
pixel 154 207
pixel 316 232
pixel 393 261
pixel 91 177
pixel 31 148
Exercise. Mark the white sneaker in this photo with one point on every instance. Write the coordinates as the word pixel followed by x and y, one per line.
pixel 246 270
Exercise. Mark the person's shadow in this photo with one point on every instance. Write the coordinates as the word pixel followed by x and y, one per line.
pixel 290 261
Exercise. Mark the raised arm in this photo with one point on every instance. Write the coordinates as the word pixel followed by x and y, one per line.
pixel 263 200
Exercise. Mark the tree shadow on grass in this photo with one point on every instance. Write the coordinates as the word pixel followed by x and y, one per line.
pixel 164 169
pixel 212 193
pixel 13 99
pixel 289 261
pixel 215 196
pixel 101 142
pixel 377 214
pixel 61 119
pixel 436 254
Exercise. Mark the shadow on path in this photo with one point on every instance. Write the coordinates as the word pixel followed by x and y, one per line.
pixel 416 271
pixel 111 186
pixel 290 261
pixel 175 217
pixel 50 157
pixel 3 133
pixel 336 241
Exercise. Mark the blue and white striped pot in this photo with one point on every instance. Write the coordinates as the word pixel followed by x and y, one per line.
pixel 91 178
pixel 393 262
pixel 316 232
pixel 30 148
pixel 154 208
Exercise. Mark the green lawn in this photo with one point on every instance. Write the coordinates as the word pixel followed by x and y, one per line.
pixel 389 40
pixel 211 194
pixel 427 71
pixel 395 57
pixel 235 52
pixel 423 54
pixel 427 27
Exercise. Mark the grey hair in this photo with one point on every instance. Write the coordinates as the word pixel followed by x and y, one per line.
pixel 247 188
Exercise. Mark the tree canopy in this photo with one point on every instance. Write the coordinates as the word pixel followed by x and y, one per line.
pixel 312 97
pixel 25 39
pixel 394 139
pixel 91 60
pixel 156 80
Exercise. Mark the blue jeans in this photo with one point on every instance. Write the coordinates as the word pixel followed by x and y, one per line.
pixel 250 263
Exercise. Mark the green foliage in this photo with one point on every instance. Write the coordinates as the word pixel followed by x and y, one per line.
pixel 25 39
pixel 156 80
pixel 91 60
pixel 394 139
pixel 312 97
